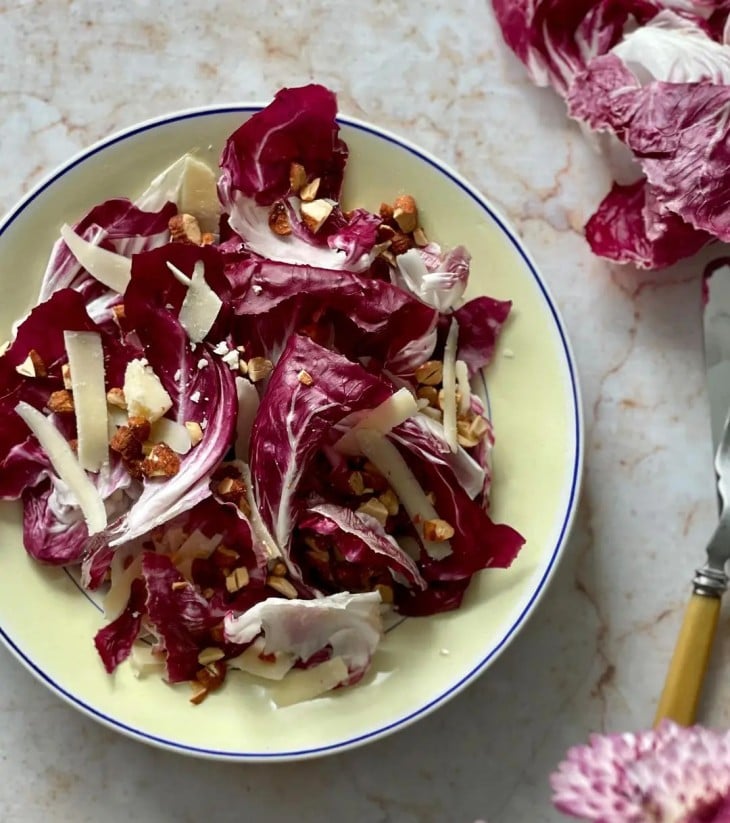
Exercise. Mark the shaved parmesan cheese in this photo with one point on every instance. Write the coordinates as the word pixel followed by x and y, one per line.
pixel 389 414
pixel 196 546
pixel 145 395
pixel 113 270
pixel 191 185
pixel 86 363
pixel 121 586
pixel 449 382
pixel 200 306
pixel 175 435
pixel 26 368
pixel 378 449
pixel 248 404
pixel 463 385
pixel 144 661
pixel 4 347
pixel 305 684
pixel 66 466
pixel 251 662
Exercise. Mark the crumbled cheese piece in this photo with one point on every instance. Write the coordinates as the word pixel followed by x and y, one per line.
pixel 389 414
pixel 195 396
pixel 256 289
pixel 221 348
pixel 86 364
pixel 202 363
pixel 231 360
pixel 146 396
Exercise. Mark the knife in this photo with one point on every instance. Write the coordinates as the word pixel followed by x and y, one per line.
pixel 688 666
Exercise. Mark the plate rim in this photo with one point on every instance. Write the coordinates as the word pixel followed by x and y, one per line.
pixel 576 469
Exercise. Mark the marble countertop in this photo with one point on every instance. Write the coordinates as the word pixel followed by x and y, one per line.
pixel 594 654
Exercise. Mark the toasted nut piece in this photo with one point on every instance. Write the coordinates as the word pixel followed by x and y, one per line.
pixel 357 484
pixel 61 402
pixel 210 654
pixel 405 213
pixel 429 393
pixel 386 211
pixel 184 228
pixel 115 397
pixel 279 219
pixel 38 364
pixel 126 444
pixel 430 373
pixel 177 585
pixel 283 586
pixel 195 432
pixel 259 368
pixel 140 427
pixel 66 375
pixel 277 567
pixel 400 243
pixel 309 192
pixel 305 378
pixel 162 462
pixel 390 501
pixel 207 239
pixel 374 508
pixel 437 530
pixel 119 312
pixel 199 692
pixel 315 213
pixel 442 397
pixel 230 489
pixel 242 367
pixel 419 237
pixel 212 675
pixel 479 427
pixel 237 579
pixel 297 176
pixel 464 435
pixel 224 551
pixel 208 593
pixel 385 592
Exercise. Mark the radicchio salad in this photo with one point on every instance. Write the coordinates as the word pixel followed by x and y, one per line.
pixel 245 415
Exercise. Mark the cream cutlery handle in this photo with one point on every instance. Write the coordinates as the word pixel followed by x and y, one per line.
pixel 687 670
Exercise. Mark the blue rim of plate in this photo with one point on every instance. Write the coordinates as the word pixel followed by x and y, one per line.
pixel 576 469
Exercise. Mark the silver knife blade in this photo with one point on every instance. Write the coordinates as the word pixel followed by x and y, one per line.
pixel 711 579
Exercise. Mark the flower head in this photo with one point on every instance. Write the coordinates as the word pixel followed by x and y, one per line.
pixel 670 774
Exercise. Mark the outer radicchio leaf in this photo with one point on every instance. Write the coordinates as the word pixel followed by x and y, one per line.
pixel 356 315
pixel 362 540
pixel 480 322
pixel 348 625
pixel 116 225
pixel 436 279
pixel 114 642
pixel 294 420
pixel 179 615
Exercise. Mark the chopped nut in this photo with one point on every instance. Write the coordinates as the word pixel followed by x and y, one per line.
pixel 212 675
pixel 61 402
pixel 429 393
pixel 195 432
pixel 162 462
pixel 314 214
pixel 297 176
pixel 199 692
pixel 442 398
pixel 27 368
pixel 385 592
pixel 400 243
pixel 373 478
pixel 479 427
pixel 237 579
pixel 119 313
pixel 115 397
pixel 177 585
pixel 374 508
pixel 140 428
pixel 390 501
pixel 305 378
pixel 357 484
pixel 283 586
pixel 419 237
pixel 207 239
pixel 224 551
pixel 242 368
pixel 66 375
pixel 437 530
pixel 405 213
pixel 309 192
pixel 430 373
pixel 464 435
pixel 259 368
pixel 386 211
pixel 210 654
pixel 38 365
pixel 231 489
pixel 279 219
pixel 208 593
pixel 184 228
pixel 277 567
pixel 126 444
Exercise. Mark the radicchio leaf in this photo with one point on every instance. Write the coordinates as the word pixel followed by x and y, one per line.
pixel 480 322
pixel 114 641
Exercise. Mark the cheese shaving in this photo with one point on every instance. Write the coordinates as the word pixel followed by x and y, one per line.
pixel 86 363
pixel 113 270
pixel 305 684
pixel 200 306
pixel 176 436
pixel 250 661
pixel 463 386
pixel 66 466
pixel 380 451
pixel 449 383
pixel 389 414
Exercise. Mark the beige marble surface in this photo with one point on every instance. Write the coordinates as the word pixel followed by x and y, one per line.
pixel 594 654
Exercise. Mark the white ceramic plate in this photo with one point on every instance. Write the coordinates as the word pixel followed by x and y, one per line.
pixel 533 392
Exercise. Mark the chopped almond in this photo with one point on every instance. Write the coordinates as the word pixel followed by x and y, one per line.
pixel 374 508
pixel 405 213
pixel 315 214
pixel 305 378
pixel 115 397
pixel 162 462
pixel 297 176
pixel 385 592
pixel 279 219
pixel 309 191
pixel 282 586
pixel 390 501
pixel 238 579
pixel 259 368
pixel 437 530
pixel 61 402
pixel 195 432
pixel 66 376
pixel 430 373
pixel 184 228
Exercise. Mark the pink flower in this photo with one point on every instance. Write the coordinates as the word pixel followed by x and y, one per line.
pixel 670 774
